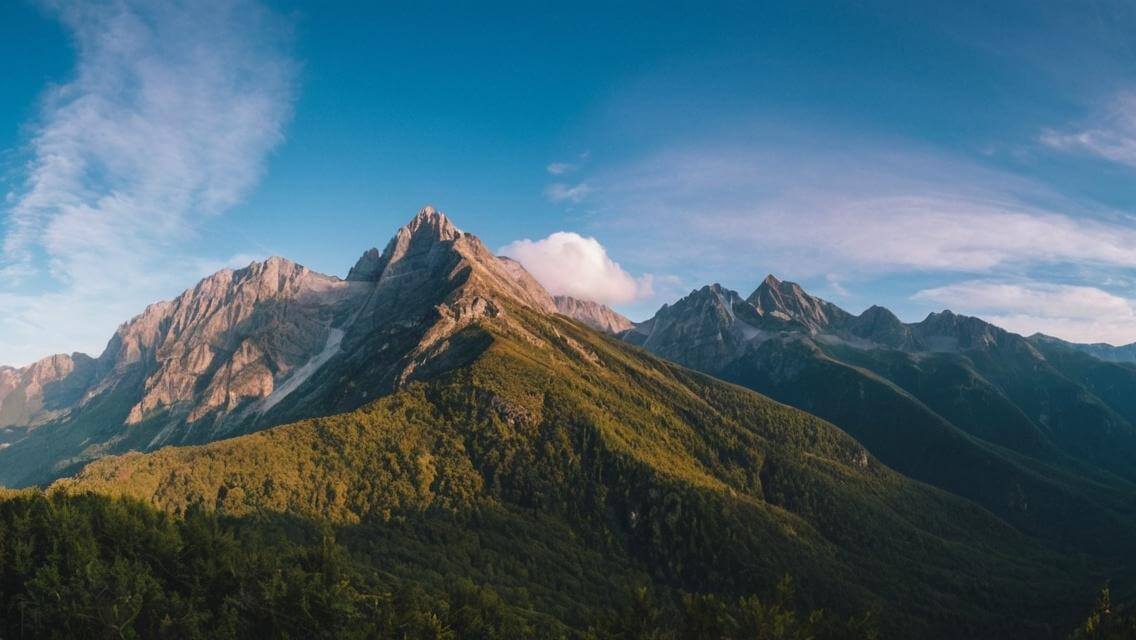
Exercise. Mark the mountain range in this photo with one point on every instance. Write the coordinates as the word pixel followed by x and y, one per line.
pixel 1038 431
pixel 946 477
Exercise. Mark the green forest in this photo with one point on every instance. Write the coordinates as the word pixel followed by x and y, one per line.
pixel 88 566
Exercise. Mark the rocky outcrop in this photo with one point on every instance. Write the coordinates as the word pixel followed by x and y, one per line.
pixel 595 315
pixel 788 301
pixel 231 339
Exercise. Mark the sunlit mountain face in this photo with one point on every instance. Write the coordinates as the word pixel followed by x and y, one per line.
pixel 246 391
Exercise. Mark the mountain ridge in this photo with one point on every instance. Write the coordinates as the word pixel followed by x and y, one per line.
pixel 945 400
pixel 439 392
pixel 247 348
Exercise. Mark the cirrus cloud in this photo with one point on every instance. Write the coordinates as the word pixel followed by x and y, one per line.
pixel 1110 135
pixel 569 264
pixel 165 122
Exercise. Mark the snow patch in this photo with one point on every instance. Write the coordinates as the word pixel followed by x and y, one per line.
pixel 749 332
pixel 301 375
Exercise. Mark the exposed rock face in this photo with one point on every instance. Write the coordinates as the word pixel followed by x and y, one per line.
pixel 232 338
pixel 712 327
pixel 947 331
pixel 788 301
pixel 595 315
pixel 249 348
pixel 880 326
pixel 407 250
pixel 705 329
pixel 43 390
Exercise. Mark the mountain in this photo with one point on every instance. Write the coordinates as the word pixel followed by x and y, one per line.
pixel 460 432
pixel 1124 353
pixel 595 315
pixel 255 347
pixel 39 392
pixel 952 401
pixel 595 448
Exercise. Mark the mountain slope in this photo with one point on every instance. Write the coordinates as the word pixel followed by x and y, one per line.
pixel 701 485
pixel 1125 354
pixel 952 401
pixel 455 405
pixel 595 315
pixel 274 342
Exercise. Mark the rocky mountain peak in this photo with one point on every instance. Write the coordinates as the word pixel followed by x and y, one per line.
pixel 949 331
pixel 788 301
pixel 248 348
pixel 879 325
pixel 417 237
pixel 434 223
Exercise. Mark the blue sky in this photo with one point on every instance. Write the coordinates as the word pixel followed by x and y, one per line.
pixel 910 154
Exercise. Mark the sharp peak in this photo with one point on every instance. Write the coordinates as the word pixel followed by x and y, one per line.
pixel 430 218
pixel 427 227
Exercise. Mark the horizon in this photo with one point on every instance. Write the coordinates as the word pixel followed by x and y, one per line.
pixel 910 156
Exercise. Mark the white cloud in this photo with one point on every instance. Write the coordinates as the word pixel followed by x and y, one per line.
pixel 872 212
pixel 560 168
pixel 1072 312
pixel 166 121
pixel 567 263
pixel 1112 134
pixel 560 192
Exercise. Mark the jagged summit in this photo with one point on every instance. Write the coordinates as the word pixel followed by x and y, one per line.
pixel 788 301
pixel 430 220
pixel 715 315
pixel 427 228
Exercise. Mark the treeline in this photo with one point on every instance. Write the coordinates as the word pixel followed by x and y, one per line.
pixel 88 566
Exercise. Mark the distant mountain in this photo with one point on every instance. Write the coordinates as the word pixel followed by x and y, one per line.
pixel 1124 353
pixel 1044 442
pixel 595 315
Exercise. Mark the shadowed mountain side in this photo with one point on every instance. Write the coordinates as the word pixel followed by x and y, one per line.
pixel 952 401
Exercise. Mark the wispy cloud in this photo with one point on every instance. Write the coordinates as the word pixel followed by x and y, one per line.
pixel 166 121
pixel 561 192
pixel 875 212
pixel 1080 313
pixel 567 263
pixel 560 168
pixel 1110 135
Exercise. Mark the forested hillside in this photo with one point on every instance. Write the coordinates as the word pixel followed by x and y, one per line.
pixel 590 467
